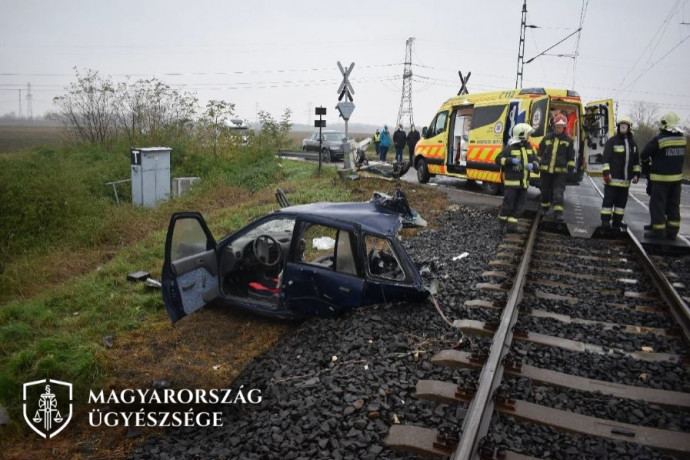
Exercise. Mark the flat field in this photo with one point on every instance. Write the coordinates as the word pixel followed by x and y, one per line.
pixel 16 138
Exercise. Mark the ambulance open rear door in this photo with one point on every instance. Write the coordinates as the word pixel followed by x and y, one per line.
pixel 597 127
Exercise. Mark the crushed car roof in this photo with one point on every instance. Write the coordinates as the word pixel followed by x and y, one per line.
pixel 370 216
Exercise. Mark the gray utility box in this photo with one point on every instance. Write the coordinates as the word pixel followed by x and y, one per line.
pixel 150 175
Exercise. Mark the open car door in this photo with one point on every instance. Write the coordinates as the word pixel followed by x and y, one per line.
pixel 190 269
pixel 598 127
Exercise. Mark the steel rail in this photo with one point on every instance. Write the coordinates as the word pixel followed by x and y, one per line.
pixel 478 418
pixel 677 306
pixel 679 309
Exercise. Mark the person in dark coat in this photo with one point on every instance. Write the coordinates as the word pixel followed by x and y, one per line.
pixel 516 160
pixel 399 140
pixel 621 167
pixel 412 139
pixel 666 152
pixel 556 158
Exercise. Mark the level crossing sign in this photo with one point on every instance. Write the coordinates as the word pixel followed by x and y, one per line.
pixel 345 90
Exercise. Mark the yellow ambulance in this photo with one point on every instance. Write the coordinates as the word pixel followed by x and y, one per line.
pixel 469 131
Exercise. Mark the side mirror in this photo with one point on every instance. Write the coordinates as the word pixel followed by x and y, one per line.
pixel 424 131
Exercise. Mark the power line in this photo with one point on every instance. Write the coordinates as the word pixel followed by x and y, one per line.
pixel 655 63
pixel 583 12
pixel 651 41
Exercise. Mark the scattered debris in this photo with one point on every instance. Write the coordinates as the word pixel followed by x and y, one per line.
pixel 138 276
pixel 145 277
pixel 398 203
pixel 216 367
pixel 323 243
pixel 160 384
pixel 108 341
pixel 461 256
pixel 155 284
pixel 648 349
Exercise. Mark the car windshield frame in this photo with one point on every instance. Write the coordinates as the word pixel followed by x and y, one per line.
pixel 333 137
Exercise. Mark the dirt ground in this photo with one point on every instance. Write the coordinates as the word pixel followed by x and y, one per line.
pixel 206 350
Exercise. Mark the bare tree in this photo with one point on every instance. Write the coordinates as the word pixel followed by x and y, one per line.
pixel 88 108
pixel 150 110
pixel 644 116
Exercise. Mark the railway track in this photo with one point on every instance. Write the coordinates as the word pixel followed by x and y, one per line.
pixel 587 356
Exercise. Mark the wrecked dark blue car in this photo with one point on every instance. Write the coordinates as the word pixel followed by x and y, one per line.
pixel 317 259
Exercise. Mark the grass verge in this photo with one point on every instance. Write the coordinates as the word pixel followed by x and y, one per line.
pixel 59 333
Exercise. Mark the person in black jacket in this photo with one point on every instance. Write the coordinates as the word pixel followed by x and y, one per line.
pixel 412 139
pixel 621 166
pixel 556 157
pixel 516 160
pixel 399 140
pixel 667 155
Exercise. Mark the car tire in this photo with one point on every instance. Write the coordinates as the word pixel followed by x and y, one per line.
pixel 422 171
pixel 325 155
pixel 491 188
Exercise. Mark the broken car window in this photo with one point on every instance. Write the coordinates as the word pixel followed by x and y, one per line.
pixel 381 259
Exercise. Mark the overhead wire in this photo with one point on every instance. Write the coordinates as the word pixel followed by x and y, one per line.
pixel 651 41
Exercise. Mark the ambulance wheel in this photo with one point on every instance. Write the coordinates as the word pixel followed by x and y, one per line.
pixel 491 188
pixel 325 155
pixel 422 171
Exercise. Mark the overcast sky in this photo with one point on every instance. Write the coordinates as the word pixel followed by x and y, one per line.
pixel 272 55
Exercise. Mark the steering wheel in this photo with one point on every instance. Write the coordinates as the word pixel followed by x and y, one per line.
pixel 263 247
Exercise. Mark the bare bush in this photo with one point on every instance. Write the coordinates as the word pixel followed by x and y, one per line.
pixel 88 108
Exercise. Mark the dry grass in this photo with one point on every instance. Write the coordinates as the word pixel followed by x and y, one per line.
pixel 17 138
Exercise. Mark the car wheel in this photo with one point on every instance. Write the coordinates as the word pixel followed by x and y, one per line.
pixel 422 171
pixel 304 148
pixel 491 188
pixel 325 155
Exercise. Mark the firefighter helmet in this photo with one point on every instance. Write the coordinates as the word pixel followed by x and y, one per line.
pixel 669 121
pixel 625 120
pixel 560 120
pixel 521 131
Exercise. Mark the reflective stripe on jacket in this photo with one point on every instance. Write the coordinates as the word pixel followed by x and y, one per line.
pixel 556 153
pixel 667 154
pixel 621 160
pixel 517 175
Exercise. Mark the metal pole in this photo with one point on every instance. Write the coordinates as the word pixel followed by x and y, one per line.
pixel 346 150
pixel 320 143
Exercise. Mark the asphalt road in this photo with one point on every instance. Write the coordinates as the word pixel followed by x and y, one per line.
pixel 462 191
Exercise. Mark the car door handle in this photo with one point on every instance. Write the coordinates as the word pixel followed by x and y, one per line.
pixel 344 289
pixel 188 286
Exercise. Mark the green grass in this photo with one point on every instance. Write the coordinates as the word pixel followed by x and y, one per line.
pixel 58 333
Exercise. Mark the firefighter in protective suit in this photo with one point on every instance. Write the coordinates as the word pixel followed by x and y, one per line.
pixel 621 166
pixel 556 157
pixel 667 155
pixel 516 160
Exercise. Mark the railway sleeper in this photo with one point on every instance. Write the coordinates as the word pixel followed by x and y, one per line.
pixel 482 328
pixel 674 441
pixel 628 328
pixel 463 360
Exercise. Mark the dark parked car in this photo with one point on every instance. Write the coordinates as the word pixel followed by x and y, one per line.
pixel 331 145
pixel 317 259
